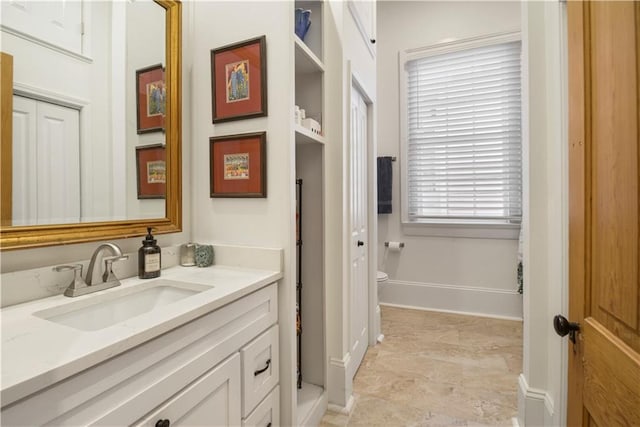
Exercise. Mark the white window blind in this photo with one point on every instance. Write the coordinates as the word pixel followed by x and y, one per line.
pixel 463 135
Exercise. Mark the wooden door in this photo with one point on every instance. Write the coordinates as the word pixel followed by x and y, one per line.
pixel 359 292
pixel 6 143
pixel 604 248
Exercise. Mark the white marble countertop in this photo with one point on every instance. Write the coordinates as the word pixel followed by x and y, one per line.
pixel 37 353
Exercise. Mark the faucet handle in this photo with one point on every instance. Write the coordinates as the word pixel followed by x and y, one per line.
pixel 108 275
pixel 77 268
pixel 77 282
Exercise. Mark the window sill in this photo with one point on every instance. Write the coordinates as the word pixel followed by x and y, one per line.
pixel 466 230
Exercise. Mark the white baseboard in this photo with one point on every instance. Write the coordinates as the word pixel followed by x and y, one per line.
pixel 345 410
pixel 450 298
pixel 340 384
pixel 317 411
pixel 535 406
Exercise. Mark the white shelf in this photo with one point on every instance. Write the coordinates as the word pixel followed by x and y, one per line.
pixel 305 136
pixel 306 61
pixel 312 404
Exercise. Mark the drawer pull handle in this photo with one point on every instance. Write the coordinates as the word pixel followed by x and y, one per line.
pixel 259 371
pixel 163 423
pixel 269 425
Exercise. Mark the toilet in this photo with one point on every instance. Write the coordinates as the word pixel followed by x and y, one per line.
pixel 381 278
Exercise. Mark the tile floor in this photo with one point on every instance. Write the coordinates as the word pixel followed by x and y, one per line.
pixel 437 369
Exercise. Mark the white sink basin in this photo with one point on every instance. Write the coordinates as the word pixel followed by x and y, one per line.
pixel 102 311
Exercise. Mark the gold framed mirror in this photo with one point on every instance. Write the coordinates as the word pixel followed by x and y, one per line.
pixel 31 236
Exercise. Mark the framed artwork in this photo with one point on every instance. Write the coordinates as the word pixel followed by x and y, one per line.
pixel 238 165
pixel 239 80
pixel 151 171
pixel 151 95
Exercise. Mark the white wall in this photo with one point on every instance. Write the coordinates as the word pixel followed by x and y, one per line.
pixel 145 46
pixel 269 221
pixel 542 392
pixel 449 273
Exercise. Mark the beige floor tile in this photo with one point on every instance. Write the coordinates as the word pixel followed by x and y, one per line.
pixel 437 369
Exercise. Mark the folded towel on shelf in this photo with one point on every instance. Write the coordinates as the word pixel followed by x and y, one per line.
pixel 385 181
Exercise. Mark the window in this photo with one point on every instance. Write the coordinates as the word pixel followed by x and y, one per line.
pixel 462 133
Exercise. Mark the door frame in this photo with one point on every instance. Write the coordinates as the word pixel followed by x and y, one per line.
pixel 543 382
pixel 357 83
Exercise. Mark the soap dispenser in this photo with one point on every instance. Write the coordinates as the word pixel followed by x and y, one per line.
pixel 149 257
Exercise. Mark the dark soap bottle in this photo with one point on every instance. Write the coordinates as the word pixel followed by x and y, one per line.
pixel 149 258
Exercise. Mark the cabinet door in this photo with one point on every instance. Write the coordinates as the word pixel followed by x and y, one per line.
pixel 267 413
pixel 260 368
pixel 212 400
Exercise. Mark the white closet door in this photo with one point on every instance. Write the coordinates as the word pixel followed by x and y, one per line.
pixel 46 171
pixel 58 162
pixel 58 23
pixel 359 293
pixel 25 191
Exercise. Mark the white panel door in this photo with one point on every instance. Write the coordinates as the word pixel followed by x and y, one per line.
pixel 46 172
pixel 359 293
pixel 58 164
pixel 58 23
pixel 25 191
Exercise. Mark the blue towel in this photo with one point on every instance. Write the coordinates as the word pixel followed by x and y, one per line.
pixel 385 182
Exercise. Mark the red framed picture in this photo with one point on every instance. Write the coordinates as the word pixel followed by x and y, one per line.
pixel 151 170
pixel 151 95
pixel 238 165
pixel 239 80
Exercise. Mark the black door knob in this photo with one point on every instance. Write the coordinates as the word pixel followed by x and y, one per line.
pixel 163 423
pixel 563 327
pixel 360 243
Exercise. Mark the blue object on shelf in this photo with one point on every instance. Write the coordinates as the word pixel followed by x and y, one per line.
pixel 303 22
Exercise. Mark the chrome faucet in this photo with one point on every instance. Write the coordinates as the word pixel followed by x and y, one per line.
pixel 108 272
pixel 78 286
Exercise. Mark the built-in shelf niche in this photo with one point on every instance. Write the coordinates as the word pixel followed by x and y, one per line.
pixel 306 61
pixel 309 148
pixel 305 136
pixel 309 68
pixel 313 38
pixel 309 168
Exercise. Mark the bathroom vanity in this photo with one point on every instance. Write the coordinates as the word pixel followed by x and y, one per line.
pixel 198 346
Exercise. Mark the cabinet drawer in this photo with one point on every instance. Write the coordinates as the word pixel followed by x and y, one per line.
pixel 260 368
pixel 209 401
pixel 267 413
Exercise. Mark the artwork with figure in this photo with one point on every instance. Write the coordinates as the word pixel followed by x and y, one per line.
pixel 237 81
pixel 156 95
pixel 236 166
pixel 156 172
pixel 151 99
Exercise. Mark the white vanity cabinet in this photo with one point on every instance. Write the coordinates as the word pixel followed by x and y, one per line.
pixel 220 369
pixel 210 401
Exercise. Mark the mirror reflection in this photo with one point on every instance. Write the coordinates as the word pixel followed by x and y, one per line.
pixel 88 110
